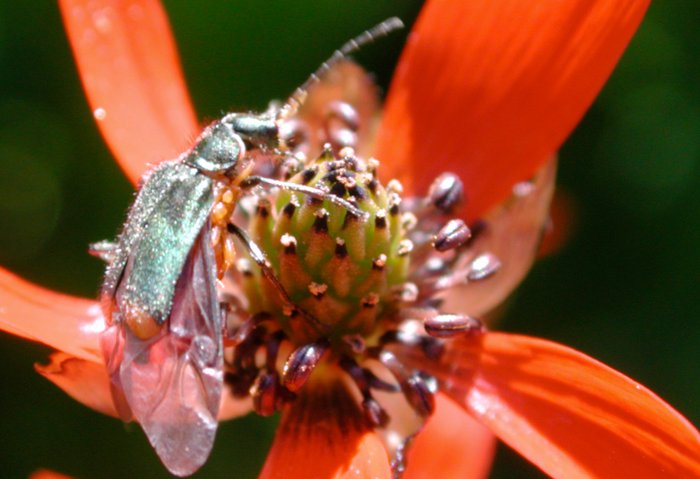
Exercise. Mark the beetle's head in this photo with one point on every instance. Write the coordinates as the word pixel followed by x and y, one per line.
pixel 220 150
pixel 258 131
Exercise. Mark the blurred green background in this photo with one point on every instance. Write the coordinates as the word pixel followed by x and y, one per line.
pixel 623 289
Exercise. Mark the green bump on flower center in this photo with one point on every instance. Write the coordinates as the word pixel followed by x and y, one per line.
pixel 335 266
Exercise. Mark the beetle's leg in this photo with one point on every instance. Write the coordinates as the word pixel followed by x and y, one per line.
pixel 105 250
pixel 261 260
pixel 253 181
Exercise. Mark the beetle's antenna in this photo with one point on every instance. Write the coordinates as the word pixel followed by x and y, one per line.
pixel 291 106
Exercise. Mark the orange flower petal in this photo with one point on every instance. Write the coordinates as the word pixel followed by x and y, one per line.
pixel 64 322
pixel 489 89
pixel 85 381
pixel 131 73
pixel 46 474
pixel 323 435
pixel 569 414
pixel 453 443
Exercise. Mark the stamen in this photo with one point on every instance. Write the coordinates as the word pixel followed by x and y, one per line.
pixel 341 251
pixel 483 266
pixel 414 387
pixel 380 219
pixel 264 392
pixel 301 363
pixel 321 221
pixel 446 192
pixel 308 174
pixel 289 242
pixel 263 208
pixel 289 209
pixel 362 378
pixel 453 235
pixel 450 325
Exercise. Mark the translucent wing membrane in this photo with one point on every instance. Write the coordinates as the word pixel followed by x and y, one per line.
pixel 172 382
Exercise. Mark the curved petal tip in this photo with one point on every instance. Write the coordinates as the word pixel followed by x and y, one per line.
pixel 132 77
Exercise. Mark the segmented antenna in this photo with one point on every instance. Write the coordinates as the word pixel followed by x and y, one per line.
pixel 297 98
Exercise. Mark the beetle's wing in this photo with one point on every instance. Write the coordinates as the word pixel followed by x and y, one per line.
pixel 162 226
pixel 172 382
pixel 163 267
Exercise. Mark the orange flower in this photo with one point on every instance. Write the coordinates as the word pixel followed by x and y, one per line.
pixel 486 88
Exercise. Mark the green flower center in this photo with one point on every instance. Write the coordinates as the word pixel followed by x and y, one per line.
pixel 340 270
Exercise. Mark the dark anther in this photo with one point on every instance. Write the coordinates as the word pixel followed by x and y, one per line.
pixel 311 201
pixel 453 235
pixel 414 387
pixel 265 393
pixel 338 189
pixel 289 209
pixel 358 192
pixel 446 192
pixel 263 208
pixel 350 217
pixel 483 266
pixel 449 325
pixel 357 374
pixel 379 384
pixel 341 250
pixel 301 364
pixel 321 221
pixel 419 395
pixel 380 219
pixel 308 174
pixel 330 177
pixel 350 162
pixel 289 243
pixel 374 413
pixel 372 185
